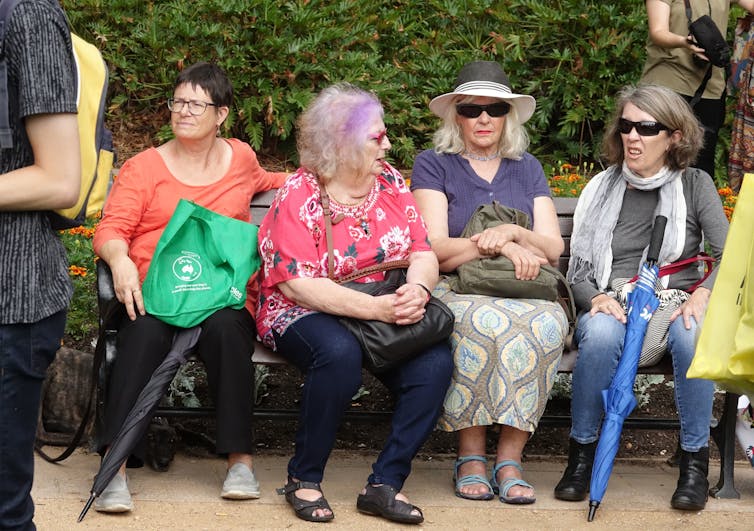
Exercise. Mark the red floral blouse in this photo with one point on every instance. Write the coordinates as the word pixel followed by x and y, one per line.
pixel 384 228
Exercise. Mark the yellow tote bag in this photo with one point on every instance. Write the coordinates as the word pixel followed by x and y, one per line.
pixel 719 336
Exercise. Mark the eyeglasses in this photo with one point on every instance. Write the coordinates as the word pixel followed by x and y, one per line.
pixel 379 137
pixel 644 128
pixel 472 110
pixel 195 108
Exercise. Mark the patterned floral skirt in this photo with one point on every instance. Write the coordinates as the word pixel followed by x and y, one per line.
pixel 506 354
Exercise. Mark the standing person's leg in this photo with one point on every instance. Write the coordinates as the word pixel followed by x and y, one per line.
pixel 419 387
pixel 711 114
pixel 600 343
pixel 225 346
pixel 26 350
pixel 329 356
pixel 693 397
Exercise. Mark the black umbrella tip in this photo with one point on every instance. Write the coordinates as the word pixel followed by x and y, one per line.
pixel 592 510
pixel 86 507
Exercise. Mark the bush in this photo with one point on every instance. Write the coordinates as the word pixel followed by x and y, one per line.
pixel 82 323
pixel 571 55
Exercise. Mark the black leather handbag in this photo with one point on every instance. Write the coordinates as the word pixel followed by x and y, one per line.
pixel 386 345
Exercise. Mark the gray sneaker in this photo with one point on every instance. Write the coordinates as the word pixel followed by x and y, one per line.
pixel 115 498
pixel 240 484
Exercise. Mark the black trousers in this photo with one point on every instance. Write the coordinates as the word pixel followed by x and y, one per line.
pixel 225 347
pixel 711 114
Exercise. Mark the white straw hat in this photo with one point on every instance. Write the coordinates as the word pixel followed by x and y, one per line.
pixel 484 78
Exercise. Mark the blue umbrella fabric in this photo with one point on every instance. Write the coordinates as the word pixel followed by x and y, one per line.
pixel 137 421
pixel 618 398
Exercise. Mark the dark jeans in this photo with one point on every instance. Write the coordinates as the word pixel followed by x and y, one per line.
pixel 26 350
pixel 711 114
pixel 225 346
pixel 330 357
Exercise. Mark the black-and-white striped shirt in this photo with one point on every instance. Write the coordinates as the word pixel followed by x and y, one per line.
pixel 34 281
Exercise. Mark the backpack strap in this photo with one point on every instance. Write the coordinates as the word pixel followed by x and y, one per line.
pixel 111 313
pixel 6 136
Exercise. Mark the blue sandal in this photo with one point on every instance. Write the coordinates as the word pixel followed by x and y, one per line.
pixel 509 483
pixel 471 479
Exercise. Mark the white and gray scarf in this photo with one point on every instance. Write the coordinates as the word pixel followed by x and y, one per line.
pixel 597 213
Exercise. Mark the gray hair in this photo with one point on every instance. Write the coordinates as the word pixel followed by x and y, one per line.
pixel 448 138
pixel 332 131
pixel 668 108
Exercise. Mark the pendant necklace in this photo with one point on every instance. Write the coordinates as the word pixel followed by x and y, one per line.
pixel 479 157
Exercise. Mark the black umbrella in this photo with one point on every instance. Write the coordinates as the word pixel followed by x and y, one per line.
pixel 137 421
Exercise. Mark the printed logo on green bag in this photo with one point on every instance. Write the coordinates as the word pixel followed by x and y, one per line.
pixel 187 268
pixel 236 293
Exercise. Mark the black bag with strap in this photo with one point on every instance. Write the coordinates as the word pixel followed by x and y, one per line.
pixel 387 345
pixel 496 276
pixel 707 35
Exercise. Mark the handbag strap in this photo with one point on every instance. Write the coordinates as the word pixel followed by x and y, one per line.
pixel 359 273
pixel 680 265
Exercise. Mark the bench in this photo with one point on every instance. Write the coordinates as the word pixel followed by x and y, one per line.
pixel 723 431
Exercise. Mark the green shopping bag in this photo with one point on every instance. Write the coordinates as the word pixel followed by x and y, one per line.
pixel 721 349
pixel 201 264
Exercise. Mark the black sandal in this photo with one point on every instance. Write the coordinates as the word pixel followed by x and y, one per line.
pixel 380 501
pixel 304 509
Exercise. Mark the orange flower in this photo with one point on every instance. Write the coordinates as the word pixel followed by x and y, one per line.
pixel 75 271
pixel 725 192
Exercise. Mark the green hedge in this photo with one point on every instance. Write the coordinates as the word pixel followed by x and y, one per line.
pixel 571 55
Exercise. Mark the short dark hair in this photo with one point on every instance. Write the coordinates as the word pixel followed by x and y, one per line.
pixel 211 78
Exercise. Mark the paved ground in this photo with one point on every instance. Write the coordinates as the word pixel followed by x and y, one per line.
pixel 187 498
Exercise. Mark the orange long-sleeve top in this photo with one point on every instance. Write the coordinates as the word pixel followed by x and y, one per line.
pixel 145 194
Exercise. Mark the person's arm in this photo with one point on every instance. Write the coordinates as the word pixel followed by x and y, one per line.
pixel 543 240
pixel 658 17
pixel 714 226
pixel 125 276
pixel 451 252
pixel 54 179
pixel 748 5
pixel 406 306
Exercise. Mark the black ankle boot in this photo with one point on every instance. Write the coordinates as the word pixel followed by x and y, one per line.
pixel 691 492
pixel 574 484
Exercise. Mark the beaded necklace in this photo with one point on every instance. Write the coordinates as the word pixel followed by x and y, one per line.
pixel 479 157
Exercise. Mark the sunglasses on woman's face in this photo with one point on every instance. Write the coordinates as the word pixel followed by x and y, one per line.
pixel 472 110
pixel 644 128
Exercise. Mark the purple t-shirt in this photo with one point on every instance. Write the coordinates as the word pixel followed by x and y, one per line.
pixel 516 184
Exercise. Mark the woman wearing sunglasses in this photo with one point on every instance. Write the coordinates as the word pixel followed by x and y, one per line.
pixel 506 351
pixel 650 144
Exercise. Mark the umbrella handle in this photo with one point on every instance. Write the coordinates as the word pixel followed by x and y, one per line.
pixel 655 242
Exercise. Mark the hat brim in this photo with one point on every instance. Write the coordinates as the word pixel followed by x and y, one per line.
pixel 523 103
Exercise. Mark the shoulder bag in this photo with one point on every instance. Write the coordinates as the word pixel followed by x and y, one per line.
pixel 496 276
pixel 387 345
pixel 201 264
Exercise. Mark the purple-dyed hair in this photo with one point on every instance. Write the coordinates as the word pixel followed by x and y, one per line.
pixel 332 131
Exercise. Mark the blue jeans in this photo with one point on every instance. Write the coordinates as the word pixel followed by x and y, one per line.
pixel 26 350
pixel 600 342
pixel 330 358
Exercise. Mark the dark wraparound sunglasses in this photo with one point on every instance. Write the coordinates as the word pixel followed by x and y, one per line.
pixel 472 110
pixel 644 128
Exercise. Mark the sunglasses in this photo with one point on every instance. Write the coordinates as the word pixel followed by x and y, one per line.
pixel 644 128
pixel 472 110
pixel 379 137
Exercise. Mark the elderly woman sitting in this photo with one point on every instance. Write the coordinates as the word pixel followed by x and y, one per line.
pixel 342 144
pixel 506 350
